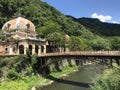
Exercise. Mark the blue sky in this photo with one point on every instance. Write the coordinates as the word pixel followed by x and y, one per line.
pixel 105 10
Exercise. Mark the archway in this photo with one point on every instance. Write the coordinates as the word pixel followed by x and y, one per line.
pixel 21 49
pixel 36 49
pixel 30 49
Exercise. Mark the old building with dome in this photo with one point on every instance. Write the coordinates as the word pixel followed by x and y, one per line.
pixel 19 34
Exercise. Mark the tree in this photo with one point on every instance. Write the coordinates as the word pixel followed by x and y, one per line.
pixel 100 44
pixel 115 43
pixel 55 41
pixel 76 44
pixel 48 28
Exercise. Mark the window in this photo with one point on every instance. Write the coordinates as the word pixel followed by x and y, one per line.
pixel 28 26
pixel 21 49
pixel 6 48
pixel 36 49
pixel 14 49
pixel 8 25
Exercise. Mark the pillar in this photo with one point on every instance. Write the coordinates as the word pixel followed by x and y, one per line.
pixel 17 50
pixel 39 50
pixel 11 50
pixel 44 49
pixel 25 48
pixel 33 49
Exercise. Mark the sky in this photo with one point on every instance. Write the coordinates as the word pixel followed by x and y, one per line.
pixel 104 10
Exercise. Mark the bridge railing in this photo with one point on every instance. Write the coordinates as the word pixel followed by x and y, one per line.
pixel 100 53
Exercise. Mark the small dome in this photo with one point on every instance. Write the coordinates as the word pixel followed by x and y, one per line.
pixel 19 24
pixel 67 37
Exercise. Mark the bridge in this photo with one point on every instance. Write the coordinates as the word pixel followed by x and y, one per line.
pixel 105 56
pixel 57 60
pixel 79 57
pixel 83 53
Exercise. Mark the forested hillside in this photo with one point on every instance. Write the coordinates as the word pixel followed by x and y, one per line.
pixel 40 13
pixel 98 27
pixel 85 33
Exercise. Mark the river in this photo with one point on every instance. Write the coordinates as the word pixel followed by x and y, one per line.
pixel 79 80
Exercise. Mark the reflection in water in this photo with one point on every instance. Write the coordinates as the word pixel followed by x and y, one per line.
pixel 80 80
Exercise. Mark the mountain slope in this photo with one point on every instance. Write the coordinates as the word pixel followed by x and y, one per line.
pixel 98 27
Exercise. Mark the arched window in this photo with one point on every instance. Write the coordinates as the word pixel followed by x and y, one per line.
pixel 6 48
pixel 36 49
pixel 14 49
pixel 21 49
pixel 28 26
pixel 8 25
pixel 30 48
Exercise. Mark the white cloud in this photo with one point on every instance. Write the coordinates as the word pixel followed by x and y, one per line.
pixel 101 17
pixel 115 22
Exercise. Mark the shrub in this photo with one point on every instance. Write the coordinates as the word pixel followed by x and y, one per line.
pixel 109 80
pixel 34 59
pixel 12 74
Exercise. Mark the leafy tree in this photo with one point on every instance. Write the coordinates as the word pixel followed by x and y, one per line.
pixel 115 43
pixel 100 44
pixel 55 40
pixel 75 44
pixel 87 34
pixel 48 28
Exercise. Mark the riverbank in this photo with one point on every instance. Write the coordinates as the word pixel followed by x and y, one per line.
pixel 27 83
pixel 80 80
pixel 107 80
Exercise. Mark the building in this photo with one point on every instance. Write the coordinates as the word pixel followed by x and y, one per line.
pixel 18 35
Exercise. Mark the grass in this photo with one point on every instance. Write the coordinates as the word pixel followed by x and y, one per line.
pixel 116 65
pixel 66 70
pixel 24 84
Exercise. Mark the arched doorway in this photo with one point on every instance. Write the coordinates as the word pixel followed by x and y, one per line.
pixel 30 49
pixel 21 49
pixel 36 49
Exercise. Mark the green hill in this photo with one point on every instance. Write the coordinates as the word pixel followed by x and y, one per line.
pixel 98 27
pixel 39 13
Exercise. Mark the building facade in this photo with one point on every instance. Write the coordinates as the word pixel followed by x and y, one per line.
pixel 18 35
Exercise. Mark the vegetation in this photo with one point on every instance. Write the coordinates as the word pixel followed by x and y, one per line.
pixel 108 80
pixel 65 71
pixel 21 74
pixel 98 27
pixel 26 83
pixel 53 26
pixel 40 13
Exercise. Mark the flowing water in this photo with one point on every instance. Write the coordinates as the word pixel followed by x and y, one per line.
pixel 79 80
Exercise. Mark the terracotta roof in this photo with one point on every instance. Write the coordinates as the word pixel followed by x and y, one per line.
pixel 18 24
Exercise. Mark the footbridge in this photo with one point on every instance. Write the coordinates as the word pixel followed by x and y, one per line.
pixel 57 60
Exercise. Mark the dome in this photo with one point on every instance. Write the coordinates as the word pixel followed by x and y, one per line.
pixel 19 24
